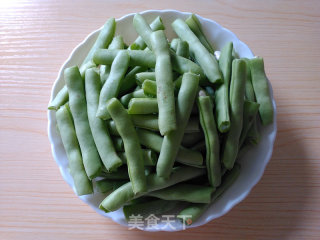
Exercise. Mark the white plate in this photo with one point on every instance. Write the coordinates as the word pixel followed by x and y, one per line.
pixel 253 163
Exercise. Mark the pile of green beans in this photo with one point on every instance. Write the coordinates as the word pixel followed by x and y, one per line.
pixel 160 121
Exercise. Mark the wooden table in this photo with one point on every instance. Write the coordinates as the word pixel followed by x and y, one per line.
pixel 36 37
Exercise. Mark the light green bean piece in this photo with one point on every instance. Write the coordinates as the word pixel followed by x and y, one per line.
pixel 143 106
pixel 185 192
pixel 125 193
pixel 183 49
pixel 104 72
pixel 60 99
pixel 141 77
pixel 149 121
pixel 202 56
pixel 111 88
pixel 132 146
pixel 150 157
pixel 237 89
pixel 172 140
pixel 78 106
pixel 174 44
pixel 222 92
pixel 125 99
pixel 149 88
pixel 82 184
pixel 99 131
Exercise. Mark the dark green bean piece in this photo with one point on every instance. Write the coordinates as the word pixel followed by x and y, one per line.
pixel 200 146
pixel 78 106
pixel 99 131
pixel 253 135
pixel 172 140
pixel 82 184
pixel 60 99
pixel 143 106
pixel 207 61
pixel 149 157
pixel 193 125
pixel 118 144
pixel 261 90
pixel 145 209
pixel 250 110
pixel 222 92
pixel 183 49
pixel 111 88
pixel 208 125
pixel 189 139
pixel 185 192
pixel 195 25
pixel 139 43
pixel 103 40
pixel 107 185
pixel 120 174
pixel 237 89
pixel 132 146
pixel 112 128
pixel 164 80
pixel 125 193
pixel 154 141
pixel 129 81
pixel 249 92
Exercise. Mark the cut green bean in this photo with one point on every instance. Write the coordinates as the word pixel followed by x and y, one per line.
pixel 149 121
pixel 118 144
pixel 99 131
pixel 149 88
pixel 78 106
pixel 111 88
pixel 139 43
pixel 112 128
pixel 249 92
pixel 143 106
pixel 185 192
pixel 125 99
pixel 82 184
pixel 207 61
pixel 172 140
pixel 142 76
pixel 253 135
pixel 129 81
pixel 107 185
pixel 183 49
pixel 125 193
pixel 149 157
pixel 193 125
pixel 104 72
pixel 250 110
pixel 60 99
pixel 261 90
pixel 103 40
pixel 208 125
pixel 174 44
pixel 145 209
pixel 120 174
pixel 222 92
pixel 237 90
pixel 165 89
pixel 195 25
pixel 132 146
pixel 143 29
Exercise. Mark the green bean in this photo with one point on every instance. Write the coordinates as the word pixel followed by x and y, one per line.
pixel 143 29
pixel 207 62
pixel 107 185
pixel 174 44
pixel 120 174
pixel 140 77
pixel 82 184
pixel 200 146
pixel 250 110
pixel 78 106
pixel 145 209
pixel 104 39
pixel 237 89
pixel 149 88
pixel 132 146
pixel 129 81
pixel 222 92
pixel 183 49
pixel 185 192
pixel 148 59
pixel 139 43
pixel 104 72
pixel 149 122
pixel 154 141
pixel 99 131
pixel 165 90
pixel 192 213
pixel 111 88
pixel 118 144
pixel 261 90
pixel 193 125
pixel 112 128
pixel 143 106
pixel 125 193
pixel 125 99
pixel 253 135
pixel 60 99
pixel 195 25
pixel 189 139
pixel 172 140
pixel 117 43
pixel 208 125
pixel 249 92
pixel 149 157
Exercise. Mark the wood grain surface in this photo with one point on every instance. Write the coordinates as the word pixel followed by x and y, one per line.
pixel 36 37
